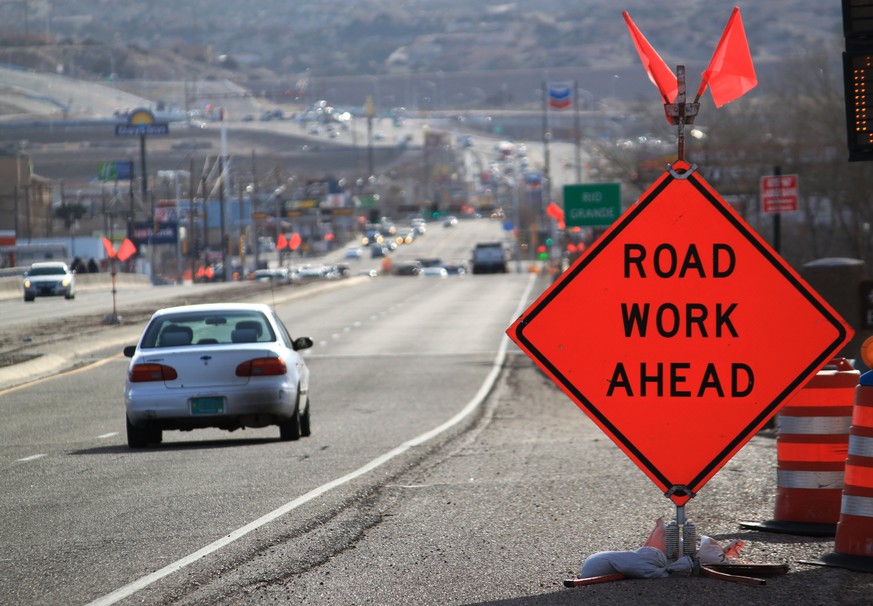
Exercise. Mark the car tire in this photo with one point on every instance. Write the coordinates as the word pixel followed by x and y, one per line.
pixel 304 421
pixel 70 295
pixel 139 437
pixel 28 299
pixel 289 429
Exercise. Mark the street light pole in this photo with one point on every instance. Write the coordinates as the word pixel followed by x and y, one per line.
pixel 516 205
pixel 370 111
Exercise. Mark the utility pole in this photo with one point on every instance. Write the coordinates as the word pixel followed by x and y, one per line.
pixel 15 215
pixel 130 191
pixel 224 173
pixel 221 220
pixel 254 197
pixel 192 234
pixel 27 209
pixel 205 217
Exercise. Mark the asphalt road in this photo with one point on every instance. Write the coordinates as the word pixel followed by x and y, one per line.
pixel 419 485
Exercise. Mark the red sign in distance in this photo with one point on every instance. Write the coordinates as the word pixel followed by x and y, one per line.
pixel 779 193
pixel 680 332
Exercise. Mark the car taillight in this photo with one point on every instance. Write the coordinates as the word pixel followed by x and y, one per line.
pixel 143 373
pixel 261 367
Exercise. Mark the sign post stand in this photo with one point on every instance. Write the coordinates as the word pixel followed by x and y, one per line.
pixel 122 254
pixel 680 113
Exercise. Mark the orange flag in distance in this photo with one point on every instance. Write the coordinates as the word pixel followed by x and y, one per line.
pixel 110 250
pixel 555 211
pixel 294 241
pixel 126 250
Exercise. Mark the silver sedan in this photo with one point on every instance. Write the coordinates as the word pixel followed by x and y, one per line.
pixel 228 366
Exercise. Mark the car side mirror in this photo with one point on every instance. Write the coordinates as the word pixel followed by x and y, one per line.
pixel 129 350
pixel 301 343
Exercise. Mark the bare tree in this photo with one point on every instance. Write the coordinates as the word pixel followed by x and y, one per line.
pixel 799 127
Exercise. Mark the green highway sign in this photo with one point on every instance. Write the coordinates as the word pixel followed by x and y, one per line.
pixel 592 205
pixel 115 171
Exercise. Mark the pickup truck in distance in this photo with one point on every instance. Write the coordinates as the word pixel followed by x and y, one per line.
pixel 489 258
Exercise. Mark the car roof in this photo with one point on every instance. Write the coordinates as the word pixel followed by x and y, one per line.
pixel 49 264
pixel 214 307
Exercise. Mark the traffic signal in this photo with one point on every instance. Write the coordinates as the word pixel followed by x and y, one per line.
pixel 542 252
pixel 858 77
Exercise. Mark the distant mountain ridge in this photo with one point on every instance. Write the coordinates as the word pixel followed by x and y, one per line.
pixel 356 37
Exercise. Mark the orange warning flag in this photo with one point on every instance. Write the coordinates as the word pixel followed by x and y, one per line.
pixel 730 73
pixel 282 242
pixel 660 75
pixel 126 250
pixel 110 250
pixel 555 211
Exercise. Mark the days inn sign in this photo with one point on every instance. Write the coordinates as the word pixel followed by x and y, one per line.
pixel 140 123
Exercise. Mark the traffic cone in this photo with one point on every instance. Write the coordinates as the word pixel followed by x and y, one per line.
pixel 853 546
pixel 811 443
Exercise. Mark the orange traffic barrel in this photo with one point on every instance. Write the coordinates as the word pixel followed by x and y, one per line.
pixel 812 439
pixel 853 545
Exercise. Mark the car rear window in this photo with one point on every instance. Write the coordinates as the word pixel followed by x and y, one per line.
pixel 211 328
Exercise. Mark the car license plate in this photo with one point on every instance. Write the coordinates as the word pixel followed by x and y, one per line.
pixel 207 406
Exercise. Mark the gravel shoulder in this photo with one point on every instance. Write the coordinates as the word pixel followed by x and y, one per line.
pixel 501 513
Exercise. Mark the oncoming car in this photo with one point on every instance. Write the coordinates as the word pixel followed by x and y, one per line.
pixel 49 279
pixel 276 275
pixel 434 272
pixel 224 365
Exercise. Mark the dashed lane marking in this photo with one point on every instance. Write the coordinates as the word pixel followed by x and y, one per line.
pixel 31 458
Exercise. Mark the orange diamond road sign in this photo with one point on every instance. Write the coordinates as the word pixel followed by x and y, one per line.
pixel 680 332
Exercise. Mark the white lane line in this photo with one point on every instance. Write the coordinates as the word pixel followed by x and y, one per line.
pixel 106 436
pixel 131 588
pixel 31 458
